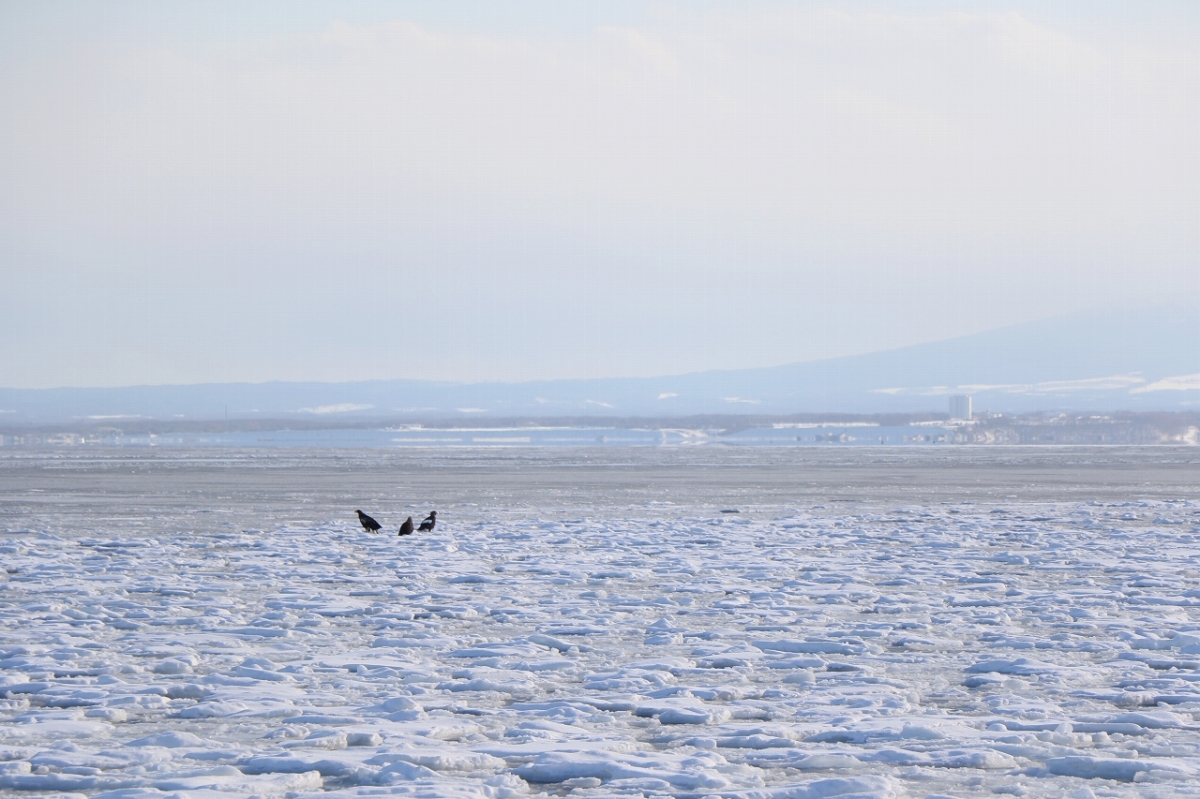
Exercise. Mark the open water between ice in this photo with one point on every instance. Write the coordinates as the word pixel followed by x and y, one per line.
pixel 598 622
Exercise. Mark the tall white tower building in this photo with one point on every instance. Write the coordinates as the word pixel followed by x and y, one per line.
pixel 960 406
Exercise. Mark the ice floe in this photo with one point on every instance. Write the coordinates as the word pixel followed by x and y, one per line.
pixel 790 652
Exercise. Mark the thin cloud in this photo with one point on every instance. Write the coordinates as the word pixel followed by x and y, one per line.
pixel 341 407
pixel 1179 383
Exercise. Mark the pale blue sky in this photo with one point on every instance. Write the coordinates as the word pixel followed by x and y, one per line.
pixel 468 191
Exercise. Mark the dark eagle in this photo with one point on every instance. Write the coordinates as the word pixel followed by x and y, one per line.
pixel 369 524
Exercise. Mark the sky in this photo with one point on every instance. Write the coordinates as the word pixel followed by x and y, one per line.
pixel 467 191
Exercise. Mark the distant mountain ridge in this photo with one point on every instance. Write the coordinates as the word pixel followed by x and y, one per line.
pixel 1129 360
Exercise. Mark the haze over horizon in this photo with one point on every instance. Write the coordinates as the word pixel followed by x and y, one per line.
pixel 202 193
pixel 1104 362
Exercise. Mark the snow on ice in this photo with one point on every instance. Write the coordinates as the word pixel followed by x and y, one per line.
pixel 803 652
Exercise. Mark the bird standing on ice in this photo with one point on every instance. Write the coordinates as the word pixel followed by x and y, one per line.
pixel 407 527
pixel 369 524
pixel 430 521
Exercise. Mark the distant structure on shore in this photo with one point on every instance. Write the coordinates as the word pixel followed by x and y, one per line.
pixel 960 407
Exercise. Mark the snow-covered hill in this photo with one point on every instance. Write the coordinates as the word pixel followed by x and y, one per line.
pixel 1130 360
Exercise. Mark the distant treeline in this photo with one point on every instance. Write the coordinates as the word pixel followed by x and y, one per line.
pixel 730 423
pixel 1033 428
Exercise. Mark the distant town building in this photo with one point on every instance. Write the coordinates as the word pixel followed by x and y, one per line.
pixel 960 406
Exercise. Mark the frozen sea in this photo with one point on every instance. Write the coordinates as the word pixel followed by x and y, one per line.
pixel 766 623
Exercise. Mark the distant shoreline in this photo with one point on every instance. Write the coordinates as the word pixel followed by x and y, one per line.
pixel 1122 428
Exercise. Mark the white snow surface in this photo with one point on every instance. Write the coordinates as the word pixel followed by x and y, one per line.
pixel 594 648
